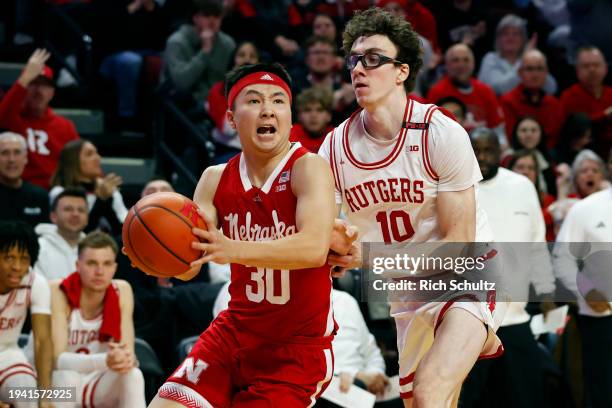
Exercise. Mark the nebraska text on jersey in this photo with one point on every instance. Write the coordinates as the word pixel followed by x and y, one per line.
pixel 256 232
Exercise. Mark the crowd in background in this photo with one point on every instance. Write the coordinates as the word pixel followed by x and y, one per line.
pixel 534 72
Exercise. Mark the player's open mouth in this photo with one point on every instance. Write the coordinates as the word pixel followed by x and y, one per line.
pixel 266 130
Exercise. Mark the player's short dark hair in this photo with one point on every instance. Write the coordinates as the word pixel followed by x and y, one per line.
pixel 21 235
pixel 378 21
pixel 208 7
pixel 319 39
pixel 452 99
pixel 315 95
pixel 98 239
pixel 69 192
pixel 236 74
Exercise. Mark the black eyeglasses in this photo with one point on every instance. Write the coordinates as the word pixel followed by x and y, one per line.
pixel 370 60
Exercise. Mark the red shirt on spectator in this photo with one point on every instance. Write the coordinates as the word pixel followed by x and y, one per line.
pixel 46 136
pixel 482 106
pixel 577 99
pixel 547 200
pixel 299 134
pixel 217 104
pixel 423 22
pixel 548 111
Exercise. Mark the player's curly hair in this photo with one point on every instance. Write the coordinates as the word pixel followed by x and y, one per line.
pixel 21 235
pixel 378 21
pixel 232 77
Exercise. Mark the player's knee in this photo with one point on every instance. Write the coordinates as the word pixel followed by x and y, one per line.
pixel 20 380
pixel 430 383
pixel 132 378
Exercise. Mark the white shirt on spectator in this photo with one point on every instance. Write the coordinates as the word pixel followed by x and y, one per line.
pixel 355 348
pixel 586 232
pixel 57 258
pixel 513 210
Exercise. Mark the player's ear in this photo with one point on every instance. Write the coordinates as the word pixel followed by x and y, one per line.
pixel 230 118
pixel 404 71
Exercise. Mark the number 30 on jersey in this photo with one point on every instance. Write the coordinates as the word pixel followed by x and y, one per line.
pixel 263 286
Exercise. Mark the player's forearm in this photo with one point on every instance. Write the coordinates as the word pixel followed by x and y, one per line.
pixel 82 363
pixel 298 251
pixel 43 352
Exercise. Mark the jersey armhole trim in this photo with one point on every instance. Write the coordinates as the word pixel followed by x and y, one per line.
pixel 425 142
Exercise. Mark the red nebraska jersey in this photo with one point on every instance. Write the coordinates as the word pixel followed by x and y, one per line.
pixel 283 304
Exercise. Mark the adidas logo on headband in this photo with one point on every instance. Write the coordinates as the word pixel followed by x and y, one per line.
pixel 267 77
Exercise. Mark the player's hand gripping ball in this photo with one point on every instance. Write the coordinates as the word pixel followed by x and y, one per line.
pixel 157 234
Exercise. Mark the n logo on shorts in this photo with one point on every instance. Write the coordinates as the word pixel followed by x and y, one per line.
pixel 193 373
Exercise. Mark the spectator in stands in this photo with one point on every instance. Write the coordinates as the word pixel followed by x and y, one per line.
pixel 325 26
pixel 529 98
pixel 59 241
pixel 314 111
pixel 156 185
pixel 454 106
pixel 500 68
pixel 591 96
pixel 576 135
pixel 480 100
pixel 198 55
pixel 322 72
pixel 138 31
pixel 21 200
pixel 23 291
pixel 25 110
pixel 301 15
pixel 419 16
pixel 93 329
pixel 525 162
pixel 588 174
pixel 226 138
pixel 518 372
pixel 529 134
pixel 79 166
pixel 462 21
pixel 270 28
pixel 590 24
pixel 357 357
pixel 583 244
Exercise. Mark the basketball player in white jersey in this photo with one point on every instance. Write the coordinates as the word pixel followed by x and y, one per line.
pixel 406 173
pixel 93 330
pixel 22 289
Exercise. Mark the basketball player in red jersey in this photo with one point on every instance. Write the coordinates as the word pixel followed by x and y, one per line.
pixel 275 204
pixel 407 173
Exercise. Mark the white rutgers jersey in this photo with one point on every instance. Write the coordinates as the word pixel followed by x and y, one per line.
pixel 84 335
pixel 34 294
pixel 389 188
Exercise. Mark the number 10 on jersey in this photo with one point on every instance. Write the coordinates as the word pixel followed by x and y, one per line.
pixel 263 286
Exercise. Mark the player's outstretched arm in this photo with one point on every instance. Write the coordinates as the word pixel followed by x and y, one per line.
pixel 312 184
pixel 203 197
pixel 41 328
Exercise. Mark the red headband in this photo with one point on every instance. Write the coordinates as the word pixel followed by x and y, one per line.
pixel 261 77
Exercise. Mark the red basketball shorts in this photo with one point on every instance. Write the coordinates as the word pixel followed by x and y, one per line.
pixel 228 367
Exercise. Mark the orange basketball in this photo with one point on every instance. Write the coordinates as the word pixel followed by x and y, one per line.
pixel 157 234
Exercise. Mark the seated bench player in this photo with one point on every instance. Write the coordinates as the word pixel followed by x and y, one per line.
pixel 93 330
pixel 22 289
